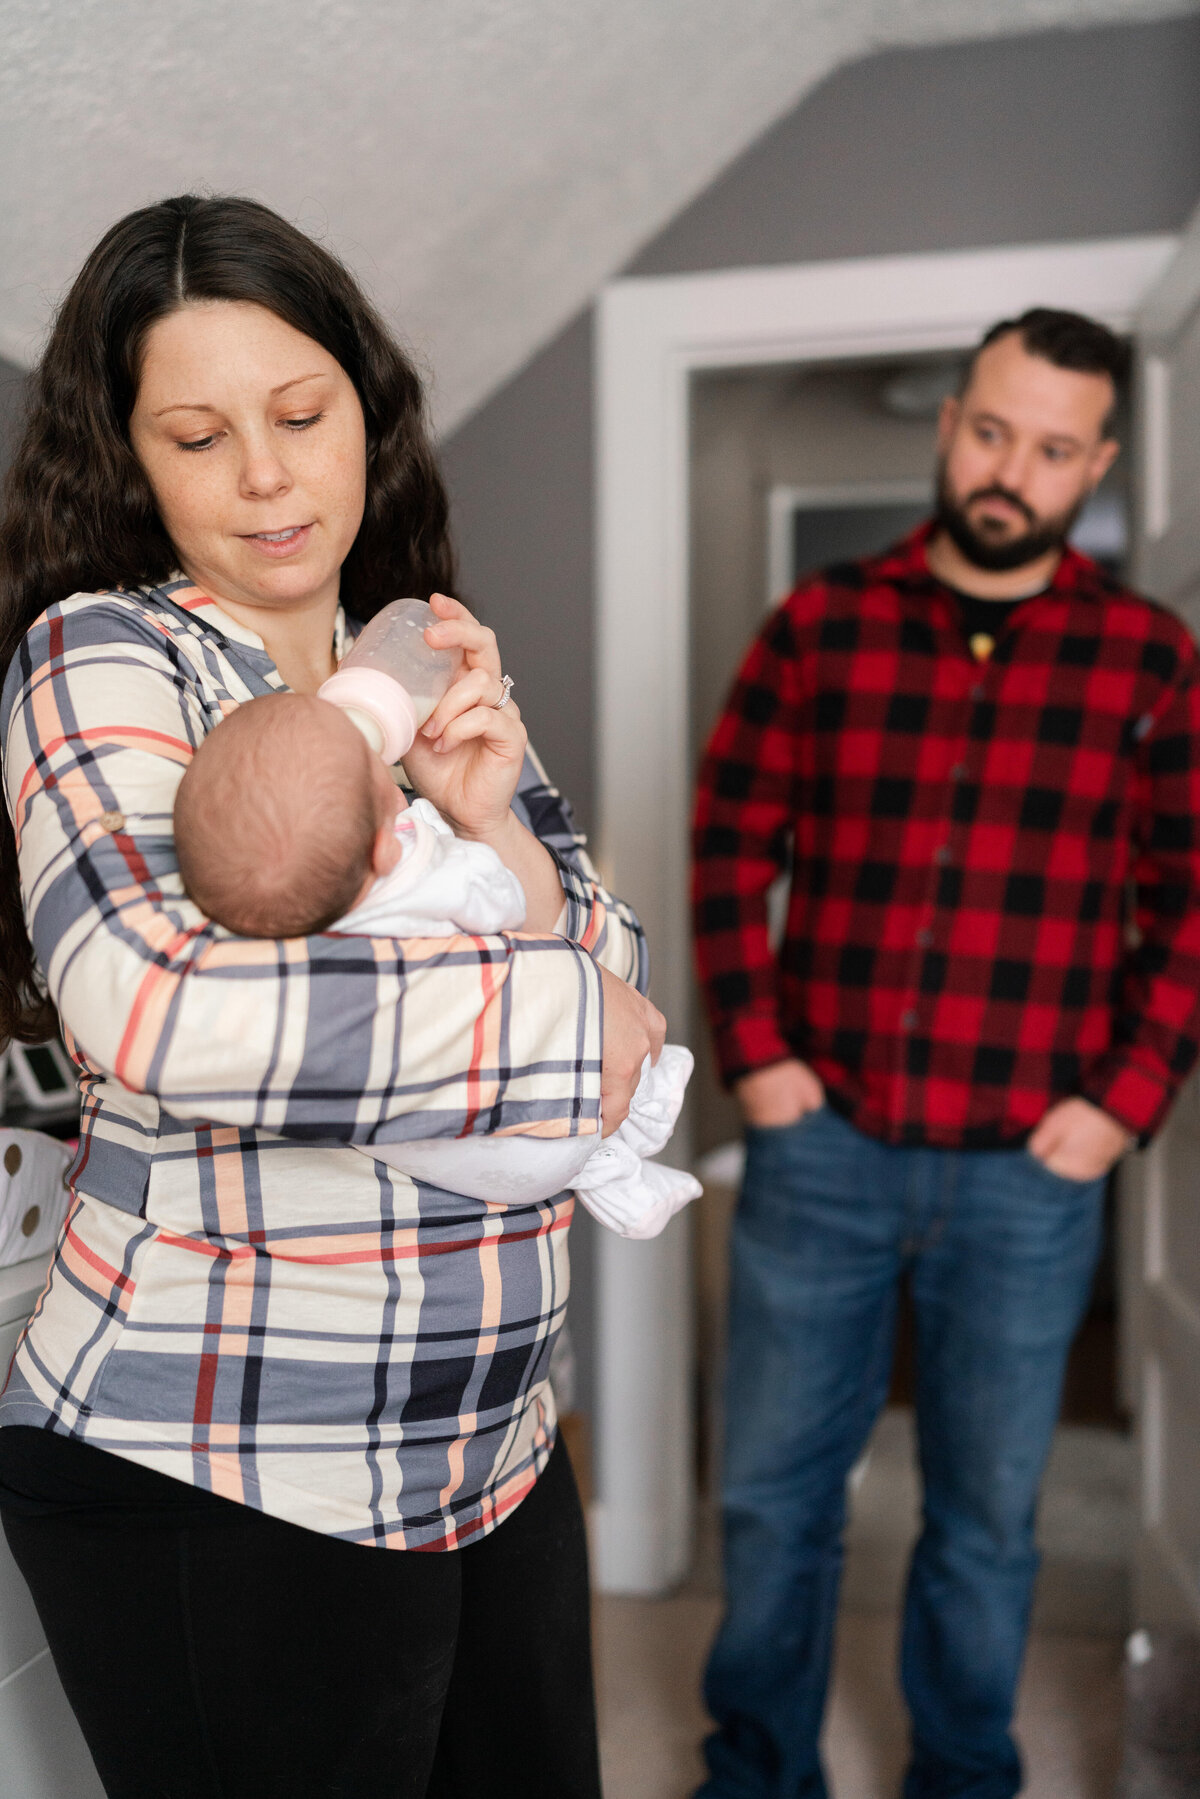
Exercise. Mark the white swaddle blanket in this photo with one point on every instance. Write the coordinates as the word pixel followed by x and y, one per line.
pixel 441 887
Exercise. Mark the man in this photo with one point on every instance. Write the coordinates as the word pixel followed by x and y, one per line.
pixel 974 743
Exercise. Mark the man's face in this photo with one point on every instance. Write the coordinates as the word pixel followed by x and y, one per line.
pixel 1018 454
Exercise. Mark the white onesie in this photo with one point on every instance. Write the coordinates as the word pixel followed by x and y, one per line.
pixel 444 886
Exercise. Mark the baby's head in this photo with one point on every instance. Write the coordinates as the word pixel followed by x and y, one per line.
pixel 278 817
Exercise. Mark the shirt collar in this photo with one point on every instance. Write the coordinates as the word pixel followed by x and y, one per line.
pixel 198 605
pixel 905 564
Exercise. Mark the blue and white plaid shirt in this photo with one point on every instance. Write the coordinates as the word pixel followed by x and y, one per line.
pixel 239 1299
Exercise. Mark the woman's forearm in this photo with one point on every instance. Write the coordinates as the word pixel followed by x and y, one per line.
pixel 529 859
pixel 338 1038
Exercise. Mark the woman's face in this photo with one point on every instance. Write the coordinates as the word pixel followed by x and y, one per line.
pixel 253 440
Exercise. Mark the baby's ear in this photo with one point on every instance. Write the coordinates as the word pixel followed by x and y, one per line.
pixel 385 851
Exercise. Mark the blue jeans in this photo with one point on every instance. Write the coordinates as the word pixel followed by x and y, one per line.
pixel 1001 1254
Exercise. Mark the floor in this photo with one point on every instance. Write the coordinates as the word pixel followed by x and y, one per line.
pixel 650 1652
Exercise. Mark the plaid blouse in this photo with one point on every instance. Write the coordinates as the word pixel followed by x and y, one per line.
pixel 240 1299
pixel 957 953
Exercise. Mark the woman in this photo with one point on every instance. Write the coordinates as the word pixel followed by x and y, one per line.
pixel 261 1355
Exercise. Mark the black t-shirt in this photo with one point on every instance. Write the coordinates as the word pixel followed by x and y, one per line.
pixel 984 618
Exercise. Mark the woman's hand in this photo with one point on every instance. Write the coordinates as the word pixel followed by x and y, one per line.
pixel 633 1030
pixel 467 756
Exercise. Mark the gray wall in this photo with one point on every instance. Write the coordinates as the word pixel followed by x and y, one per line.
pixel 1061 135
pixel 12 404
pixel 521 478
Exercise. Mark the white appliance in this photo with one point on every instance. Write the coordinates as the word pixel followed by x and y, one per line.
pixel 34 1196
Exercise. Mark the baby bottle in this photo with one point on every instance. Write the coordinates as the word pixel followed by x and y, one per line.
pixel 390 679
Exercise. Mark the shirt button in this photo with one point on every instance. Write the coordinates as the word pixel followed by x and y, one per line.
pixel 908 1020
pixel 959 772
pixel 925 937
pixel 943 854
pixel 977 691
pixel 112 821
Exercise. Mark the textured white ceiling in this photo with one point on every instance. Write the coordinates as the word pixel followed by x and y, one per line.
pixel 482 164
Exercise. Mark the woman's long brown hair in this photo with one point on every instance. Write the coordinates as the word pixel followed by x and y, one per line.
pixel 79 515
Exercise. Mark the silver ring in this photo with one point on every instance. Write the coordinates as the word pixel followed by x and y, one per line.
pixel 506 682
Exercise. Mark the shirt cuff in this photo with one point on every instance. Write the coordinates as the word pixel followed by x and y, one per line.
pixel 747 1043
pixel 1135 1096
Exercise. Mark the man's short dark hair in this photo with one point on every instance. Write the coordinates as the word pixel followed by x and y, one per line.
pixel 1069 341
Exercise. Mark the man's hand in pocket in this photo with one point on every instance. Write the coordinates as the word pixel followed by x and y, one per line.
pixel 1079 1141
pixel 779 1095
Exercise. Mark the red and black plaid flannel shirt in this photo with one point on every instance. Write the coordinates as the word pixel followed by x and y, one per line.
pixel 958 953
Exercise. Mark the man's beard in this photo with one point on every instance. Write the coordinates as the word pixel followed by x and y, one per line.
pixel 999 554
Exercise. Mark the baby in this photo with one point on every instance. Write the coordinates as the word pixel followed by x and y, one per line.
pixel 287 824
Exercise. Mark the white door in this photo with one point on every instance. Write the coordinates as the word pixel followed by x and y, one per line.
pixel 1161 1189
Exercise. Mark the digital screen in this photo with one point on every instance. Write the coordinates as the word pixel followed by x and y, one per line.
pixel 45 1070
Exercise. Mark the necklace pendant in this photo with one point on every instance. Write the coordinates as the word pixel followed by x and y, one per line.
pixel 982 645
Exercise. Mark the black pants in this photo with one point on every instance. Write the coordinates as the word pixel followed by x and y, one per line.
pixel 212 1652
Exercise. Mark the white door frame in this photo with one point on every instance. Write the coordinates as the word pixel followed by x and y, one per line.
pixel 652 336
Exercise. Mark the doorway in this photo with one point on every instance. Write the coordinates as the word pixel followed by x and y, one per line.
pixel 792 469
pixel 654 337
